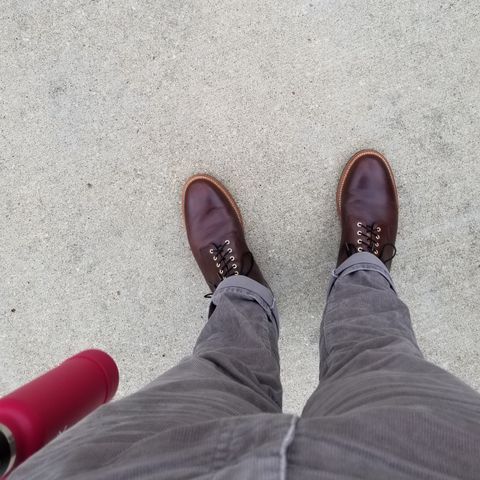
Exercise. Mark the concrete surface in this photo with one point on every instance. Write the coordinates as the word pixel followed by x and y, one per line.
pixel 106 107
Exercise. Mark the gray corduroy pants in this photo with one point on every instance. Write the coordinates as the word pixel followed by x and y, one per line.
pixel 381 411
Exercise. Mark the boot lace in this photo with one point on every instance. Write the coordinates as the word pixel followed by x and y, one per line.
pixel 224 259
pixel 369 238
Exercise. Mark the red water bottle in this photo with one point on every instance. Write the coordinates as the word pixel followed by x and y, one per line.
pixel 37 412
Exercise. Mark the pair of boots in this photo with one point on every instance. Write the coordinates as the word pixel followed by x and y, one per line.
pixel 367 204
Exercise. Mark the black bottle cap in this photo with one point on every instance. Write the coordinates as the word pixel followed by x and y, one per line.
pixel 7 450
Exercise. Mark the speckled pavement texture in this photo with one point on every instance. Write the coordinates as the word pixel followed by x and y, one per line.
pixel 106 107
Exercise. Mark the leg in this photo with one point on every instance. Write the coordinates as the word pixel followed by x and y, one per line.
pixel 234 370
pixel 381 407
pixel 241 341
pixel 367 343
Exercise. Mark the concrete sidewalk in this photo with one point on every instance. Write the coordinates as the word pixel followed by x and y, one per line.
pixel 106 107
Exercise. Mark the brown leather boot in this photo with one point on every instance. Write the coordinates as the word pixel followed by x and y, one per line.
pixel 367 203
pixel 215 232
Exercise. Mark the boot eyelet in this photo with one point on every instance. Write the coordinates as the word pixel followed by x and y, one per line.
pixel 229 250
pixel 221 272
pixel 360 249
pixel 359 233
pixel 232 258
pixel 217 265
pixel 377 245
pixel 227 242
pixel 379 229
pixel 359 241
pixel 236 273
pixel 375 252
pixel 235 266
pixel 378 237
pixel 359 224
pixel 211 251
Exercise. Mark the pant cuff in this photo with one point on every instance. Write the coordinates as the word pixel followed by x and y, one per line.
pixel 361 261
pixel 252 289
